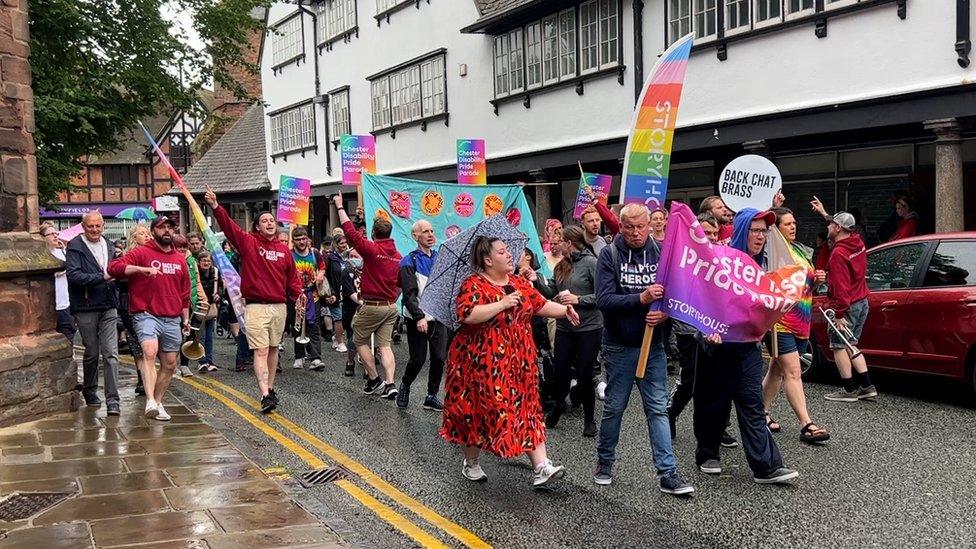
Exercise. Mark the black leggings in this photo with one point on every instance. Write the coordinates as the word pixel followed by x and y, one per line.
pixel 581 349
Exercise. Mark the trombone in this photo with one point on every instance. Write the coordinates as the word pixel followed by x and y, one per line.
pixel 193 349
pixel 844 335
pixel 300 325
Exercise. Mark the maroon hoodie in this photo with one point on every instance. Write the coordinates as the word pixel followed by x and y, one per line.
pixel 268 273
pixel 164 295
pixel 848 268
pixel 380 280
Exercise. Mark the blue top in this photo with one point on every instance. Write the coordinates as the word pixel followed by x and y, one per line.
pixel 622 273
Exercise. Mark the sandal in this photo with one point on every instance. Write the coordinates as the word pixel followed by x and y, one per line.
pixel 772 424
pixel 811 433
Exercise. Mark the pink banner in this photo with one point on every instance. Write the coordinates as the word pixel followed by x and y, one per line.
pixel 718 289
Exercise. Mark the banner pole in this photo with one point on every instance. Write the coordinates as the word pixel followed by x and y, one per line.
pixel 774 343
pixel 645 351
pixel 359 198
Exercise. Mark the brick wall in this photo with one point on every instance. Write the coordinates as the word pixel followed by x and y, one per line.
pixel 18 167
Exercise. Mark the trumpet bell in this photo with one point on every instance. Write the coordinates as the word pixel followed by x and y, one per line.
pixel 302 340
pixel 192 350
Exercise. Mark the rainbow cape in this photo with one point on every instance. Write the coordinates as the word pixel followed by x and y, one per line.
pixel 780 253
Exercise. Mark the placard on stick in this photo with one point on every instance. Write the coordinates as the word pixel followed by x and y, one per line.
pixel 750 181
pixel 358 155
pixel 472 165
pixel 293 197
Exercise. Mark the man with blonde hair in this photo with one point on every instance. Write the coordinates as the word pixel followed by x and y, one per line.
pixel 625 288
pixel 92 295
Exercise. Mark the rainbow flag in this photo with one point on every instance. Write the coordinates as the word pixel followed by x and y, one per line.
pixel 232 280
pixel 779 254
pixel 648 159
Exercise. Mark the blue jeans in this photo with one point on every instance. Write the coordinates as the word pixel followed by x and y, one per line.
pixel 243 351
pixel 208 335
pixel 620 364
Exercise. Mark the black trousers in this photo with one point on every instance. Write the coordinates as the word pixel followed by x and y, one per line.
pixel 435 340
pixel 733 373
pixel 684 389
pixel 313 349
pixel 581 349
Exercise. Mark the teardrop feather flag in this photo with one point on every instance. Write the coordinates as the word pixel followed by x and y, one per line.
pixel 648 159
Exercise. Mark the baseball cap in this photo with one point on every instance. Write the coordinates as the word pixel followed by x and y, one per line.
pixel 845 220
pixel 767 216
pixel 161 220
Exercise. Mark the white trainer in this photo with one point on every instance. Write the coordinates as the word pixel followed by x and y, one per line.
pixel 152 411
pixel 473 472
pixel 601 390
pixel 342 348
pixel 299 364
pixel 547 472
pixel 161 414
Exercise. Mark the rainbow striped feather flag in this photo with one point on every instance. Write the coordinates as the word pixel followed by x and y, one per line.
pixel 232 280
pixel 648 159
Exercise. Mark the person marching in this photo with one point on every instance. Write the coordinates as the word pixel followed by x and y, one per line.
pixel 423 331
pixel 847 296
pixel 159 301
pixel 492 398
pixel 625 288
pixel 311 271
pixel 591 220
pixel 574 283
pixel 380 290
pixel 349 289
pixel 716 206
pixel 733 373
pixel 212 288
pixel 792 334
pixel 182 245
pixel 138 235
pixel 268 280
pixel 334 265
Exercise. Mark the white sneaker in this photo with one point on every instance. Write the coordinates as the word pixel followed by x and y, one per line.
pixel 299 364
pixel 161 414
pixel 547 472
pixel 342 348
pixel 601 390
pixel 473 472
pixel 152 410
pixel 185 371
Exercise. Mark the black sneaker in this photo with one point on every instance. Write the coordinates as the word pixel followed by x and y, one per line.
pixel 603 475
pixel 589 430
pixel 552 419
pixel 140 390
pixel 274 397
pixel 350 370
pixel 372 385
pixel 403 397
pixel 113 409
pixel 267 404
pixel 673 484
pixel 433 403
pixel 728 441
pixel 779 476
pixel 867 393
pixel 389 391
pixel 711 467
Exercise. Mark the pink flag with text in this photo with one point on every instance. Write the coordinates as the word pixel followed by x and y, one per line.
pixel 718 289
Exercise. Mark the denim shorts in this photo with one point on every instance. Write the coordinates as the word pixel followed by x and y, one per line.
pixel 788 343
pixel 856 316
pixel 167 330
pixel 335 313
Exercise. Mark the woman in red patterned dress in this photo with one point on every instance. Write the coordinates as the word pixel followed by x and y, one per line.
pixel 492 396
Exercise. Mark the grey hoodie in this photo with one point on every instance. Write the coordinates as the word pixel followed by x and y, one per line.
pixel 582 283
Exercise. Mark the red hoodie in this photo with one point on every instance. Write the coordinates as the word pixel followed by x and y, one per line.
pixel 380 280
pixel 608 217
pixel 268 273
pixel 848 268
pixel 164 295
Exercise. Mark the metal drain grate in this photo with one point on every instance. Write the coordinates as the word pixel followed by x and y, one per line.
pixel 22 506
pixel 325 475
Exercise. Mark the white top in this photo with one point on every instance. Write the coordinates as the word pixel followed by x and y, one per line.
pixel 99 250
pixel 60 283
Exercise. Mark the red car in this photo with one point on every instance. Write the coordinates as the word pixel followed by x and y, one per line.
pixel 923 309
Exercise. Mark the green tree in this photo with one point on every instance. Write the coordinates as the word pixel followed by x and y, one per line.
pixel 100 65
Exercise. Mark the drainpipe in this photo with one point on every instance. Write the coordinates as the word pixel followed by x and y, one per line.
pixel 319 99
pixel 963 43
pixel 639 48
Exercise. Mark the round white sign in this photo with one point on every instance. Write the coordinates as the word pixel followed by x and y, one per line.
pixel 750 181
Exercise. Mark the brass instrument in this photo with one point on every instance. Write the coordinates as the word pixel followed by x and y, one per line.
pixel 193 349
pixel 300 324
pixel 844 335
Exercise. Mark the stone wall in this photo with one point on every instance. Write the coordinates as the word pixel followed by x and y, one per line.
pixel 37 374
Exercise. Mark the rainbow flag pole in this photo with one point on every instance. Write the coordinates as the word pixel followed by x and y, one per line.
pixel 648 159
pixel 232 280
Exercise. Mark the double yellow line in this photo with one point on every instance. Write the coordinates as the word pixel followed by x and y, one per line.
pixel 216 390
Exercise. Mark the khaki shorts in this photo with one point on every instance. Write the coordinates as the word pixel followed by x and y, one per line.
pixel 374 319
pixel 264 324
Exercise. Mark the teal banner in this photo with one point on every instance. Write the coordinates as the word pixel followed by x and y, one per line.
pixel 449 207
